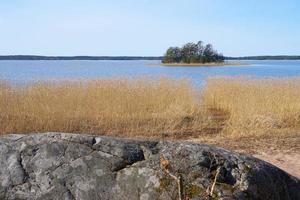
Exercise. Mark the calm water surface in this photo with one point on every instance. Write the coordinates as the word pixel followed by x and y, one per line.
pixel 26 71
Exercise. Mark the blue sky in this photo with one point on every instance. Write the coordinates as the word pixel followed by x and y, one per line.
pixel 148 27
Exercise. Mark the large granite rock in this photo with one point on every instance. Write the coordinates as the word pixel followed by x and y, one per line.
pixel 68 166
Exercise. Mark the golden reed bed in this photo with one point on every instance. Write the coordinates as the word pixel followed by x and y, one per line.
pixel 228 106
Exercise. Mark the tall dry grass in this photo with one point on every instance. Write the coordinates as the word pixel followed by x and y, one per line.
pixel 256 106
pixel 110 106
pixel 152 108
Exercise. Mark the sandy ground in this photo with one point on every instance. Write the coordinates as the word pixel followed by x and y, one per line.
pixel 283 152
pixel 289 162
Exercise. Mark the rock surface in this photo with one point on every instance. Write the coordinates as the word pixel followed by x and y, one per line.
pixel 60 166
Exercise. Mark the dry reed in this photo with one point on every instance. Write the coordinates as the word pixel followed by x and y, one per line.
pixel 109 106
pixel 256 106
pixel 152 108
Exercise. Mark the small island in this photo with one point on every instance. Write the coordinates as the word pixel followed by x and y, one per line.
pixel 193 54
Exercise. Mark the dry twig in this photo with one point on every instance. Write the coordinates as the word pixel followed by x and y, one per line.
pixel 165 164
pixel 215 181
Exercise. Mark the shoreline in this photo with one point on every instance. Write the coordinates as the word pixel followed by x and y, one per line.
pixel 204 64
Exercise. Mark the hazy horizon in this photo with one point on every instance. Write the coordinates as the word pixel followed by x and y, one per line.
pixel 130 56
pixel 147 28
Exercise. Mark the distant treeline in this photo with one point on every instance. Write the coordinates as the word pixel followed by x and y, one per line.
pixel 192 53
pixel 29 57
pixel 32 57
pixel 264 58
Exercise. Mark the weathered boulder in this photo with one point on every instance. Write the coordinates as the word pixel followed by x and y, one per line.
pixel 61 166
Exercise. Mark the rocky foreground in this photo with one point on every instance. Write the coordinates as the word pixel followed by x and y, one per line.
pixel 60 166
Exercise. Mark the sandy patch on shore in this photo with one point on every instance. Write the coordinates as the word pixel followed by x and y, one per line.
pixel 283 151
pixel 289 162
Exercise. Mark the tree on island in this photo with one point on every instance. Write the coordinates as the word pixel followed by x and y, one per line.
pixel 192 53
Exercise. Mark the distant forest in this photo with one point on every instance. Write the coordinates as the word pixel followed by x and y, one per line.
pixel 32 57
pixel 192 53
pixel 264 58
